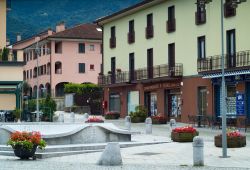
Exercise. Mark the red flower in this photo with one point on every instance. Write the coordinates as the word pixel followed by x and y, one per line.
pixel 187 129
pixel 94 120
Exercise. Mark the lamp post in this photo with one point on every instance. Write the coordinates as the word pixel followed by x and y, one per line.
pixel 233 4
pixel 38 52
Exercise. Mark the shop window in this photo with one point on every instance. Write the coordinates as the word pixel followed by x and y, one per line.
pixel 202 101
pixel 133 100
pixel 231 100
pixel 114 102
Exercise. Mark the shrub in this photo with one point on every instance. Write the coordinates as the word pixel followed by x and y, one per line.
pixel 139 115
pixel 112 115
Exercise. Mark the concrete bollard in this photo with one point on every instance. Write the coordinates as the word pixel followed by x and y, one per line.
pixel 172 124
pixel 198 151
pixel 148 123
pixel 111 155
pixel 61 117
pixel 85 117
pixel 72 117
pixel 128 123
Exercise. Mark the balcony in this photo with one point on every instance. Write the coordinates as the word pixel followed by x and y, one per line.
pixel 112 42
pixel 131 37
pixel 156 72
pixel 171 26
pixel 241 60
pixel 200 17
pixel 149 32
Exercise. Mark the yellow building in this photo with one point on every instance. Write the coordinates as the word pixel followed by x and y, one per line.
pixel 11 70
pixel 151 52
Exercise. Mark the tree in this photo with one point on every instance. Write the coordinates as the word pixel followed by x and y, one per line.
pixel 5 54
pixel 26 88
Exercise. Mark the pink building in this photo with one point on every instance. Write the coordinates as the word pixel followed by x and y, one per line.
pixel 68 55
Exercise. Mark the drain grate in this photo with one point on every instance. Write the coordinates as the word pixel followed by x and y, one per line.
pixel 147 153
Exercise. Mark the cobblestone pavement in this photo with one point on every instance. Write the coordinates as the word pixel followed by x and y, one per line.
pixel 172 156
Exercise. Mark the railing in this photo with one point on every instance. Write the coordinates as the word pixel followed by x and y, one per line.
pixel 149 32
pixel 141 74
pixel 171 25
pixel 238 60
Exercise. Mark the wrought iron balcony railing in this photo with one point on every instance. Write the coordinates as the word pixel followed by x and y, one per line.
pixel 141 74
pixel 237 61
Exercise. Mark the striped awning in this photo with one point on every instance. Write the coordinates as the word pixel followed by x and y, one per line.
pixel 228 73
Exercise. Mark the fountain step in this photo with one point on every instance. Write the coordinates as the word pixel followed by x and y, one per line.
pixel 63 150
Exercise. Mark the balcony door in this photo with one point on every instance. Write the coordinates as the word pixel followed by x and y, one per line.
pixel 231 48
pixel 171 58
pixel 131 67
pixel 113 68
pixel 150 63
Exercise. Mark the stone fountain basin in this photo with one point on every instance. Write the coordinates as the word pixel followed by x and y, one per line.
pixel 64 134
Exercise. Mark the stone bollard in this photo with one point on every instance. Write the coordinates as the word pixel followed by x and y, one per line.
pixel 148 122
pixel 172 124
pixel 72 117
pixel 111 155
pixel 198 151
pixel 128 123
pixel 85 117
pixel 61 117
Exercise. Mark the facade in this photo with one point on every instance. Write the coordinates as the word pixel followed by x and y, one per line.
pixel 156 55
pixel 11 70
pixel 67 56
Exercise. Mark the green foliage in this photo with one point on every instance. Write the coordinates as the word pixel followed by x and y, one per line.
pixel 81 88
pixel 139 115
pixel 46 105
pixel 5 54
pixel 17 113
pixel 26 87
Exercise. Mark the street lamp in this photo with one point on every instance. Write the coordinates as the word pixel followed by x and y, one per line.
pixel 233 4
pixel 38 52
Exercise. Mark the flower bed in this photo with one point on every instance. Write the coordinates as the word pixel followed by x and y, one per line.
pixel 112 115
pixel 184 134
pixel 159 119
pixel 24 144
pixel 94 120
pixel 234 140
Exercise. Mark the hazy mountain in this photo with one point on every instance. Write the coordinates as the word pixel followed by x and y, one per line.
pixel 32 16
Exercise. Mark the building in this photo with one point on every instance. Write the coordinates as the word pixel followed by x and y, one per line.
pixel 156 54
pixel 10 68
pixel 67 55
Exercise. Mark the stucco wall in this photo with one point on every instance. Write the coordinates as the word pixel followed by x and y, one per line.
pixel 185 37
pixel 7 101
pixel 2 23
pixel 11 73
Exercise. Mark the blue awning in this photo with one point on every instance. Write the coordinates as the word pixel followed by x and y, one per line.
pixel 228 73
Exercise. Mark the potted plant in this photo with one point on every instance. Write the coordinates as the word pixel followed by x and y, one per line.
pixel 25 144
pixel 112 115
pixel 94 119
pixel 109 72
pixel 184 134
pixel 118 70
pixel 234 140
pixel 139 115
pixel 17 114
pixel 159 119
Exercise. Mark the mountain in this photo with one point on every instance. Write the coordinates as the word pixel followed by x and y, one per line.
pixel 29 17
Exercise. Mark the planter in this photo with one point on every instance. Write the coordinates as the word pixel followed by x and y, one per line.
pixel 137 119
pixel 24 153
pixel 159 121
pixel 232 142
pixel 183 136
pixel 112 116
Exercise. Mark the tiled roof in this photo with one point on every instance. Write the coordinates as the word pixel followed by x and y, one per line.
pixel 83 31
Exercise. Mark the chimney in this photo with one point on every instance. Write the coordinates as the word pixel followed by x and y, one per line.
pixel 50 32
pixel 18 37
pixel 60 27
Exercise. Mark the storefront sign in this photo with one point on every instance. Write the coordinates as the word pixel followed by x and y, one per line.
pixel 161 85
pixel 240 104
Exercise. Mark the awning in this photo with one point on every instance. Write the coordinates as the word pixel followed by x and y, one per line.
pixel 228 73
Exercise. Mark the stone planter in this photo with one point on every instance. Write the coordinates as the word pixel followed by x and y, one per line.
pixel 159 121
pixel 183 136
pixel 137 120
pixel 24 153
pixel 232 142
pixel 112 116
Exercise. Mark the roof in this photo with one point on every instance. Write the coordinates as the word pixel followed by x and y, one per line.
pixel 83 31
pixel 128 11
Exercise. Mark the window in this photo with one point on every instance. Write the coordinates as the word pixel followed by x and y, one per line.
pixel 231 48
pixel 171 58
pixel 27 74
pixel 200 15
pixel 92 47
pixel 101 48
pixel 131 34
pixel 92 67
pixel 171 27
pixel 30 73
pixel 201 47
pixel 113 68
pixel 112 42
pixel 229 11
pixel 81 48
pixel 131 66
pixel 58 47
pixel 58 67
pixel 150 62
pixel 35 72
pixel 81 67
pixel 150 27
pixel 44 50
